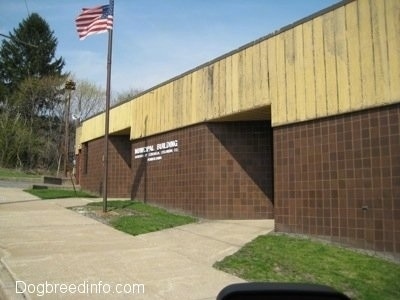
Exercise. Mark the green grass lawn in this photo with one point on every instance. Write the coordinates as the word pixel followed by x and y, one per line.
pixel 11 173
pixel 128 216
pixel 281 258
pixel 137 218
pixel 58 193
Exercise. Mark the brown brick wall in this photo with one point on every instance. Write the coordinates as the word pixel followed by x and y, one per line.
pixel 119 167
pixel 119 171
pixel 91 161
pixel 222 171
pixel 339 177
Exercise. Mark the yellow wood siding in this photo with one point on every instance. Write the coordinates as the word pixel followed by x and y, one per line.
pixel 310 73
pixel 93 128
pixel 281 76
pixel 291 105
pixel 120 117
pixel 300 92
pixel 329 28
pixel 344 60
pixel 382 88
pixel 349 58
pixel 235 82
pixel 354 54
pixel 342 63
pixel 264 95
pixel 317 49
pixel 392 12
pixel 367 59
pixel 226 87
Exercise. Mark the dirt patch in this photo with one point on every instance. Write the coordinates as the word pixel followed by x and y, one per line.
pixel 96 213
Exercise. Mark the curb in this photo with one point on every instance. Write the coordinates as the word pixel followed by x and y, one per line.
pixel 8 282
pixel 39 182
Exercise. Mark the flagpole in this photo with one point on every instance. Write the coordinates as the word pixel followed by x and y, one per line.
pixel 107 117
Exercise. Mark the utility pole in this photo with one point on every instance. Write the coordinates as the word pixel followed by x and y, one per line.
pixel 69 86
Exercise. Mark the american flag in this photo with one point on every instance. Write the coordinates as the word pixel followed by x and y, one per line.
pixel 95 20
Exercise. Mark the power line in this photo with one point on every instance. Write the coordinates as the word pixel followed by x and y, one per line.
pixel 27 9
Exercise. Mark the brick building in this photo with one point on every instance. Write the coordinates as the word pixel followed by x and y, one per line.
pixel 302 126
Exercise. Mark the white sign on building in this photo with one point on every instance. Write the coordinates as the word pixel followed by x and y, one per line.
pixel 156 152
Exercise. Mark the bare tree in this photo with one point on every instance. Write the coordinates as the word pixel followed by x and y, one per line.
pixel 127 95
pixel 87 100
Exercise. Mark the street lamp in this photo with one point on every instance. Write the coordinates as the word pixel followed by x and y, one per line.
pixel 69 86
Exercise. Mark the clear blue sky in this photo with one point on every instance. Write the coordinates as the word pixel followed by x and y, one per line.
pixel 155 40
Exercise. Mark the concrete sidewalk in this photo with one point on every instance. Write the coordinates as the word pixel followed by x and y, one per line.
pixel 12 194
pixel 42 241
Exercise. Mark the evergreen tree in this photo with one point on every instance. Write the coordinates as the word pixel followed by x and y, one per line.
pixel 31 87
pixel 29 53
